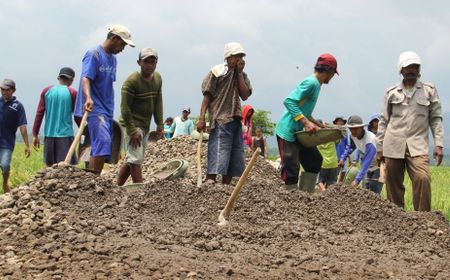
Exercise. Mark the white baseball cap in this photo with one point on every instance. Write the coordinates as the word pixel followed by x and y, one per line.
pixel 122 32
pixel 147 52
pixel 407 58
pixel 232 48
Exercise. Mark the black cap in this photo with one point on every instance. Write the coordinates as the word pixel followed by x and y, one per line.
pixel 67 72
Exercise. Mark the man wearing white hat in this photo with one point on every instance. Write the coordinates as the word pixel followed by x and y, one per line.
pixel 96 93
pixel 410 109
pixel 223 88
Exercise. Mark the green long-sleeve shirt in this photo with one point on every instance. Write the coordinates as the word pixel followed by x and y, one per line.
pixel 141 99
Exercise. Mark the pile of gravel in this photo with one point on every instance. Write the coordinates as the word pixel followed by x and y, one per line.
pixel 67 223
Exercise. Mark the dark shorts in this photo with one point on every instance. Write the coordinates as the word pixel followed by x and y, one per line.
pixel 225 149
pixel 56 149
pixel 101 134
pixel 372 181
pixel 328 176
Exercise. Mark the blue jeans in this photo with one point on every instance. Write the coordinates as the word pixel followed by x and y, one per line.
pixel 5 160
pixel 225 149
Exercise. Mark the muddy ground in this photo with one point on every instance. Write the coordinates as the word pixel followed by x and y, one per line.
pixel 70 224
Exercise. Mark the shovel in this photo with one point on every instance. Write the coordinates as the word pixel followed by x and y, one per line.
pixel 199 160
pixel 382 178
pixel 77 138
pixel 339 180
pixel 225 213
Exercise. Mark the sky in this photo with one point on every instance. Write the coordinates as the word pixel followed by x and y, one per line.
pixel 282 39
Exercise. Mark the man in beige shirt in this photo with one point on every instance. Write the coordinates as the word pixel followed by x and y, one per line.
pixel 410 109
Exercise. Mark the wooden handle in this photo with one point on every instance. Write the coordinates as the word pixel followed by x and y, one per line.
pixel 382 178
pixel 77 138
pixel 340 174
pixel 199 160
pixel 242 179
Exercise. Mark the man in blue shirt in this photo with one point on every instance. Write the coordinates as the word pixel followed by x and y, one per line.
pixel 56 104
pixel 12 116
pixel 96 93
pixel 299 105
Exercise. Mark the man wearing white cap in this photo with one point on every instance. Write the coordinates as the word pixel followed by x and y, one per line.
pixel 223 88
pixel 96 93
pixel 141 100
pixel 182 125
pixel 410 109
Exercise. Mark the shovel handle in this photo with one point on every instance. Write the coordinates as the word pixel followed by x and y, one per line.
pixel 199 160
pixel 77 138
pixel 226 211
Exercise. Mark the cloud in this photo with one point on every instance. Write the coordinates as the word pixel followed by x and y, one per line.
pixel 365 36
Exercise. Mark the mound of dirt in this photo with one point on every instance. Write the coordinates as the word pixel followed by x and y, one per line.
pixel 70 224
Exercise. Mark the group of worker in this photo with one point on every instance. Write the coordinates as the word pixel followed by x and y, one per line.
pixel 410 109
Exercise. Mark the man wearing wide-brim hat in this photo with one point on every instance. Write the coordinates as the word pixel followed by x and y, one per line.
pixel 365 142
pixel 410 109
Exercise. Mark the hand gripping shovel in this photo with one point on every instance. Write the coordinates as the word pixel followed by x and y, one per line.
pixel 199 160
pixel 77 138
pixel 225 213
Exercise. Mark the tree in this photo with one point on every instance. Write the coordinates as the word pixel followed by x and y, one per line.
pixel 261 119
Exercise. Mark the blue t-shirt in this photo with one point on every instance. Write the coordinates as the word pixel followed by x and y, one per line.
pixel 100 68
pixel 12 116
pixel 58 113
pixel 301 101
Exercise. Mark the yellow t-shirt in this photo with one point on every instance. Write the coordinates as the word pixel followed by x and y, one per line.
pixel 328 151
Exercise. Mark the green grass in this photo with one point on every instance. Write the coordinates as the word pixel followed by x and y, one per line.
pixel 440 190
pixel 22 169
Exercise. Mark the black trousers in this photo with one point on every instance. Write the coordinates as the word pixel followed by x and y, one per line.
pixel 293 155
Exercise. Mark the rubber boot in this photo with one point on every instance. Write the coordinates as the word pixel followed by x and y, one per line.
pixel 291 187
pixel 308 181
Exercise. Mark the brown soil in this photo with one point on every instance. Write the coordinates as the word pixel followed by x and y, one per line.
pixel 70 224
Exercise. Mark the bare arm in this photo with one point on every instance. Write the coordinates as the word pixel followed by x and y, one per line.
pixel 244 91
pixel 201 125
pixel 86 88
pixel 23 131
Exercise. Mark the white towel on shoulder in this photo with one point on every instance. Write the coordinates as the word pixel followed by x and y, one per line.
pixel 219 70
